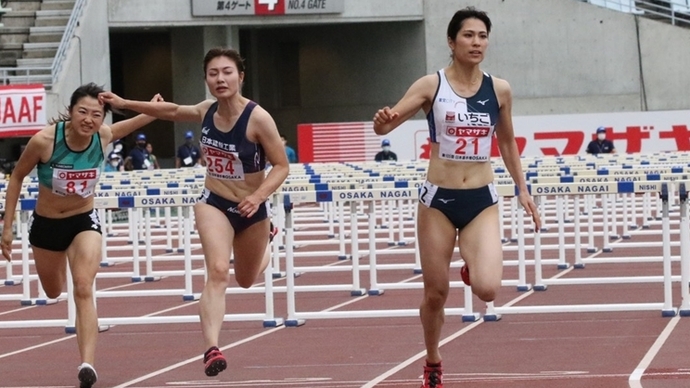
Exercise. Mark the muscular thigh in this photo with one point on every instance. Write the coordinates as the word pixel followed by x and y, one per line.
pixel 215 233
pixel 84 254
pixel 480 244
pixel 436 237
pixel 250 246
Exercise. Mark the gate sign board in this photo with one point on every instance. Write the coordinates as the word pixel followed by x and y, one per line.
pixel 22 110
pixel 265 7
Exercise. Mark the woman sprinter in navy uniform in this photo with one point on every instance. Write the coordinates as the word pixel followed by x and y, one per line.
pixel 237 137
pixel 464 108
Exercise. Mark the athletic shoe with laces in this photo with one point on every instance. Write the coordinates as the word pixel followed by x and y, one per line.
pixel 465 274
pixel 87 375
pixel 214 362
pixel 433 376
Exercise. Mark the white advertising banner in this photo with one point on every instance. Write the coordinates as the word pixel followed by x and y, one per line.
pixel 547 135
pixel 22 110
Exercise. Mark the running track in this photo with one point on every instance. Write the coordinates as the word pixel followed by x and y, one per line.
pixel 620 349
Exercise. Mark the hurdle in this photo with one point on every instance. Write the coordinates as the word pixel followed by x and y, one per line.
pixel 576 189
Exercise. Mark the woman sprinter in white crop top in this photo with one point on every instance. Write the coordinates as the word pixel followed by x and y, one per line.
pixel 464 107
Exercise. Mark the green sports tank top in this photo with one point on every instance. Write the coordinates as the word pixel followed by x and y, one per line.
pixel 72 172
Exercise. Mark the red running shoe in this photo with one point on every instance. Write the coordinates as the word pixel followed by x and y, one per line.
pixel 273 231
pixel 214 361
pixel 433 376
pixel 465 274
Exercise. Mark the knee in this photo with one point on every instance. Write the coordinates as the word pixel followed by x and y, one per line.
pixel 244 281
pixel 435 298
pixel 83 288
pixel 218 272
pixel 52 292
pixel 486 292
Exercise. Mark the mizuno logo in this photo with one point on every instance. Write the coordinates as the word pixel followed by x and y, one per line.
pixel 482 102
pixel 444 200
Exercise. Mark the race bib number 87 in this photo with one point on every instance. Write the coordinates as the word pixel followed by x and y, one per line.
pixel 75 182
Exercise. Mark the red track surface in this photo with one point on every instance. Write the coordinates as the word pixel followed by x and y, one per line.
pixel 562 350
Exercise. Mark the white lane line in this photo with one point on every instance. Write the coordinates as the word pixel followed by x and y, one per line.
pixel 636 376
pixel 197 358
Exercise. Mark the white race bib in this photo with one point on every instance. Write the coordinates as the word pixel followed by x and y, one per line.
pixel 223 164
pixel 75 182
pixel 468 139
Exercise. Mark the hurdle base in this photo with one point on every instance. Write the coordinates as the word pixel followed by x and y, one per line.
pixel 567 221
pixel 614 237
pixel 105 264
pixel 684 313
pixel 45 302
pixel 513 240
pixel 632 227
pixel 180 250
pixel 417 271
pixel 136 279
pixel 375 292
pixel 579 265
pixel 273 322
pixel 168 250
pixel 12 282
pixel 192 297
pixel 540 287
pixel 359 292
pixel 341 257
pixel 72 330
pixel 592 250
pixel 391 243
pixel 645 226
pixel 563 266
pixel 626 237
pixel 474 317
pixel 544 229
pixel 504 240
pixel 402 243
pixel 26 302
pixel 607 250
pixel 102 328
pixel 669 313
pixel 278 275
pixel 152 278
pixel 492 317
pixel 294 322
pixel 331 236
pixel 524 287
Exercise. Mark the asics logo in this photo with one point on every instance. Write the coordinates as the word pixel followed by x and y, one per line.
pixel 205 130
pixel 482 102
pixel 446 200
pixel 233 209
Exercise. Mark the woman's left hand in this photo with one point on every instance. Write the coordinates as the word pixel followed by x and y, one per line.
pixel 250 205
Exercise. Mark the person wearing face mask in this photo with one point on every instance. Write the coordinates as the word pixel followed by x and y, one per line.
pixel 601 145
pixel 138 158
pixel 114 163
pixel 386 153
pixel 188 154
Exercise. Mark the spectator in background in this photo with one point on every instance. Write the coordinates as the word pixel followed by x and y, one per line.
pixel 601 145
pixel 138 158
pixel 386 153
pixel 289 151
pixel 153 160
pixel 188 154
pixel 114 163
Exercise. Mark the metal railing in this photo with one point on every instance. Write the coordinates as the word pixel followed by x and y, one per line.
pixel 37 74
pixel 676 12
